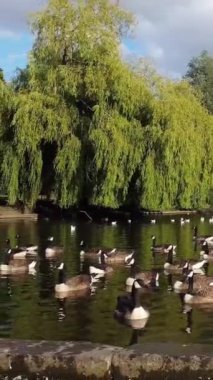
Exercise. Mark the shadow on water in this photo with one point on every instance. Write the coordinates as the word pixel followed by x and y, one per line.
pixel 29 309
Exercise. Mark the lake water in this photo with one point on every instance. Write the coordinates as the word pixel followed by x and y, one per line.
pixel 29 309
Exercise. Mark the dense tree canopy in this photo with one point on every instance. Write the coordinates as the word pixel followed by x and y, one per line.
pixel 200 75
pixel 81 125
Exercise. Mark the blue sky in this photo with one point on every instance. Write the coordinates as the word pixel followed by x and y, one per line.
pixel 14 52
pixel 167 32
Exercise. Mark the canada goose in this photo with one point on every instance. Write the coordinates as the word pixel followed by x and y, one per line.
pixel 11 266
pixel 205 252
pixel 18 253
pixel 170 266
pixel 202 219
pixel 90 253
pixel 198 267
pixel 101 269
pixel 52 250
pixel 200 239
pixel 203 295
pixel 118 256
pixel 150 280
pixel 192 281
pixel 209 241
pixel 129 306
pixel 66 286
pixel 172 220
pixel 161 248
pixel 153 221
pixel 29 247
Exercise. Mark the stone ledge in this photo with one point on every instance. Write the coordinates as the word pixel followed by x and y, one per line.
pixel 88 361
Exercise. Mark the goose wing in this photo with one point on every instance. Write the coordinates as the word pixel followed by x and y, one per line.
pixel 124 304
pixel 146 277
pixel 80 281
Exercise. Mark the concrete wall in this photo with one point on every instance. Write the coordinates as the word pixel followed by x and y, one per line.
pixel 83 360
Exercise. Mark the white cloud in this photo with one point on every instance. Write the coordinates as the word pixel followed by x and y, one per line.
pixel 171 32
pixel 8 34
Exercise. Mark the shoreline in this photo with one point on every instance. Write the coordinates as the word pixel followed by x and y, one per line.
pixel 92 213
pixel 7 212
pixel 90 361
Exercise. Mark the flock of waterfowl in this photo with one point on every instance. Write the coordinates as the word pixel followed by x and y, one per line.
pixel 193 284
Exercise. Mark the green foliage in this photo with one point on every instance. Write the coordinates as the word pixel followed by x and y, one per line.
pixel 200 75
pixel 175 172
pixel 79 124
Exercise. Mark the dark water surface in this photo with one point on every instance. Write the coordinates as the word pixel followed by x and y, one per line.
pixel 29 309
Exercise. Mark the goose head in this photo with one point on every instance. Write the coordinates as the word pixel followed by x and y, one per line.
pixel 7 242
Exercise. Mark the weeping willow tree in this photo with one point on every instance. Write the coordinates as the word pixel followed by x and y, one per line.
pixel 69 74
pixel 6 133
pixel 177 169
pixel 86 126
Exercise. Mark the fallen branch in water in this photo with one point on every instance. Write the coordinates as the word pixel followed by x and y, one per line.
pixel 84 212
